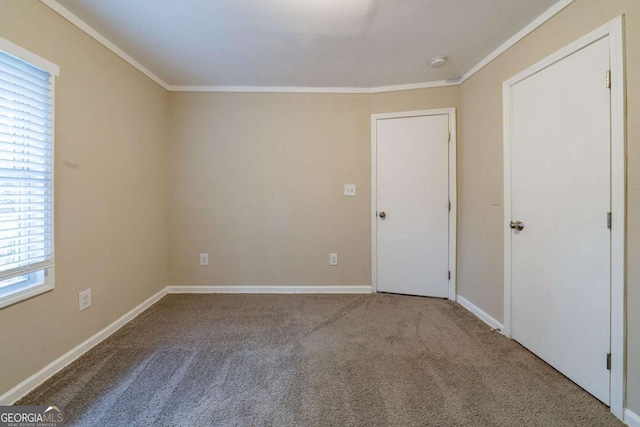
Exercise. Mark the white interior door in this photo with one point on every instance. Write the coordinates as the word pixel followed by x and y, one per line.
pixel 413 205
pixel 561 192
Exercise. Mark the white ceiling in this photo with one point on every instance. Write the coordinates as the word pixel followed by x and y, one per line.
pixel 306 43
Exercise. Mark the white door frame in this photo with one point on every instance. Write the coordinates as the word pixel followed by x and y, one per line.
pixel 451 112
pixel 612 30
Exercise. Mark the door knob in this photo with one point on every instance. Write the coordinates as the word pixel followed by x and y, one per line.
pixel 382 215
pixel 517 225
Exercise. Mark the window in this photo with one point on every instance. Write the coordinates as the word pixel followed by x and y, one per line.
pixel 26 174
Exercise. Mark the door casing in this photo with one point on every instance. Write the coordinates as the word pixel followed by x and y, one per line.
pixel 451 112
pixel 614 31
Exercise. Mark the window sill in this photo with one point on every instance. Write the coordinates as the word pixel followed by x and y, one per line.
pixel 24 294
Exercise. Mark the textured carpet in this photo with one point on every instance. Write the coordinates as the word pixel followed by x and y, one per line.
pixel 314 360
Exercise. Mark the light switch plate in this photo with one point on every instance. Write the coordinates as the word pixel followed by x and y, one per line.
pixel 204 259
pixel 350 190
pixel 333 259
pixel 497 198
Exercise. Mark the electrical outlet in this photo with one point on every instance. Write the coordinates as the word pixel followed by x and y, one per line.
pixel 350 190
pixel 84 298
pixel 204 259
pixel 333 259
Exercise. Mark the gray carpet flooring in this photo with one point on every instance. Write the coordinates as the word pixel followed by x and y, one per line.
pixel 313 360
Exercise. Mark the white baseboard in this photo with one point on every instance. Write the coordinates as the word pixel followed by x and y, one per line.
pixel 631 418
pixel 11 396
pixel 479 313
pixel 269 289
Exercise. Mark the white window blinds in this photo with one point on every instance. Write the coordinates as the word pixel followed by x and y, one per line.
pixel 26 169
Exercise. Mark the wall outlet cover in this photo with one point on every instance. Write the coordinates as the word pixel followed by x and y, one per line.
pixel 350 190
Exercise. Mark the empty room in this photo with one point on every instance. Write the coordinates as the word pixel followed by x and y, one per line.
pixel 320 213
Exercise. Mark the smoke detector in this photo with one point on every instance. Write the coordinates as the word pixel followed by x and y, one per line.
pixel 437 61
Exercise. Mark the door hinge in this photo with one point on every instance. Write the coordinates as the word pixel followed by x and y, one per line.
pixel 449 274
pixel 609 220
pixel 449 206
pixel 609 361
pixel 449 140
pixel 608 79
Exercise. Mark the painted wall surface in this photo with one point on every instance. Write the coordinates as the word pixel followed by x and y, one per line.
pixel 110 192
pixel 419 99
pixel 480 265
pixel 256 181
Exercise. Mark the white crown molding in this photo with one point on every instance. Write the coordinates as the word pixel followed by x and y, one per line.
pixel 300 89
pixel 414 86
pixel 268 89
pixel 20 390
pixel 75 20
pixel 548 14
pixel 69 16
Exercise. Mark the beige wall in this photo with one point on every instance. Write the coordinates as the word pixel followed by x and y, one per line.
pixel 256 181
pixel 110 192
pixel 421 99
pixel 480 162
